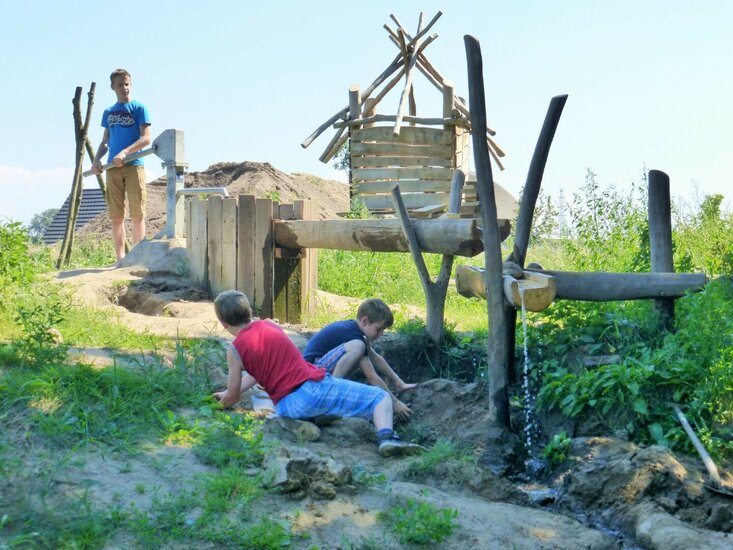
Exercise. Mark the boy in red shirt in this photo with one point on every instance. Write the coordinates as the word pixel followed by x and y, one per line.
pixel 261 353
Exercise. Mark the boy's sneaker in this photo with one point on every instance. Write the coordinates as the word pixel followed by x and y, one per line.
pixel 302 429
pixel 397 447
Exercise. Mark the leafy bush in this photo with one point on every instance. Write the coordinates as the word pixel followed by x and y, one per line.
pixel 693 366
pixel 40 343
pixel 608 231
pixel 16 267
pixel 704 238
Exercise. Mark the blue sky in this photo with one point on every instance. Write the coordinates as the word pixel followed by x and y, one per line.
pixel 649 83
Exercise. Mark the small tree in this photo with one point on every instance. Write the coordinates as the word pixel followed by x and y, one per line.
pixel 39 224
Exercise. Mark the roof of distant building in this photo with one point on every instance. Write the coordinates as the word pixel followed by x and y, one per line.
pixel 92 204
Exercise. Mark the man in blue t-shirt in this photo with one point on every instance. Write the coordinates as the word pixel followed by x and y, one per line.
pixel 341 346
pixel 126 131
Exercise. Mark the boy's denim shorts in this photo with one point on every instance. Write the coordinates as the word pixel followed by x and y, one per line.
pixel 332 396
pixel 332 357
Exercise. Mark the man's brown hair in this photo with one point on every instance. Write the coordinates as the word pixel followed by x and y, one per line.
pixel 118 72
pixel 376 311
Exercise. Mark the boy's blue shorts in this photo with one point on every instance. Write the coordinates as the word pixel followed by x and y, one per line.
pixel 332 357
pixel 332 396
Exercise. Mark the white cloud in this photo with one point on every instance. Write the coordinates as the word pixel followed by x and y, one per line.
pixel 27 192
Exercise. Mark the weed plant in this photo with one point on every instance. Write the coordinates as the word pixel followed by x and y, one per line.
pixel 416 522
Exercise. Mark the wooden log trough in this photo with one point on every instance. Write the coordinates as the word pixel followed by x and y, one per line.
pixel 593 286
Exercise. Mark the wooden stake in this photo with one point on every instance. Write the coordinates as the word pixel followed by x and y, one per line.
pixel 660 238
pixel 497 351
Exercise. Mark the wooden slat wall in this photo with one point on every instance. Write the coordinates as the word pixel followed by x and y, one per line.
pixel 230 244
pixel 420 160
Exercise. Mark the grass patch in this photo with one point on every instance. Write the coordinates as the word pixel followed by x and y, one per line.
pixel 77 404
pixel 446 460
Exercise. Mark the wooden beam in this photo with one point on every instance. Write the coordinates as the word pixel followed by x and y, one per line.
pixel 245 245
pixel 459 237
pixel 213 223
pixel 428 121
pixel 358 161
pixel 413 136
pixel 438 150
pixel 334 145
pixel 229 244
pixel 264 257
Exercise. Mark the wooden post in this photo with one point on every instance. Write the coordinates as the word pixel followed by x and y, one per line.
pixel 229 244
pixel 263 258
pixel 449 97
pixel 245 246
pixel 213 222
pixel 309 263
pixel 197 239
pixel 497 352
pixel 526 211
pixel 286 276
pixel 660 238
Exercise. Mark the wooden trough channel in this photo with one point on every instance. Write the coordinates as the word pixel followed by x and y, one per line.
pixel 269 250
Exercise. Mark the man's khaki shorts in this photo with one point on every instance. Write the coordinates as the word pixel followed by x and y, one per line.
pixel 128 180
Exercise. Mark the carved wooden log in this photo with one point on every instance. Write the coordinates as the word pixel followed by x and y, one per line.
pixel 598 286
pixel 441 236
pixel 535 290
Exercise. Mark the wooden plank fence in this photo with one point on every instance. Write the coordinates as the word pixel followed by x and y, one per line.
pixel 230 245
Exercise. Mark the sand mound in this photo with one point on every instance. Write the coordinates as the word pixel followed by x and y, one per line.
pixel 241 178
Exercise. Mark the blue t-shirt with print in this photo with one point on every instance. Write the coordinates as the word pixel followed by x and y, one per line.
pixel 123 120
pixel 332 336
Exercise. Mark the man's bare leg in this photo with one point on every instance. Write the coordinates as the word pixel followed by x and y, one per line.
pixel 138 231
pixel 118 237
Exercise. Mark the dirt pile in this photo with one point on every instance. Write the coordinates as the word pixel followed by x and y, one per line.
pixel 260 179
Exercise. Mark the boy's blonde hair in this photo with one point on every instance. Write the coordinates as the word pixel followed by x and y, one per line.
pixel 232 307
pixel 118 72
pixel 376 311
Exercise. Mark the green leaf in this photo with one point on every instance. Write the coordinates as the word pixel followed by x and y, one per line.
pixel 640 406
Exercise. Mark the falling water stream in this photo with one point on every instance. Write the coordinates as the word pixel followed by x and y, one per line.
pixel 533 464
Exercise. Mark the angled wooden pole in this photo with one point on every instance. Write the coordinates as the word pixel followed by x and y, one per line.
pixel 80 133
pixel 526 209
pixel 497 352
pixel 90 152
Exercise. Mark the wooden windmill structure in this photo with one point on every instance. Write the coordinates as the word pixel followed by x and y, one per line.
pixel 420 154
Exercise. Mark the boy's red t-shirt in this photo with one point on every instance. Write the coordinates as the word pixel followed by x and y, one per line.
pixel 273 360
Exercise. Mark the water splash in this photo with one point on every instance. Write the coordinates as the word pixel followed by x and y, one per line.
pixel 533 464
